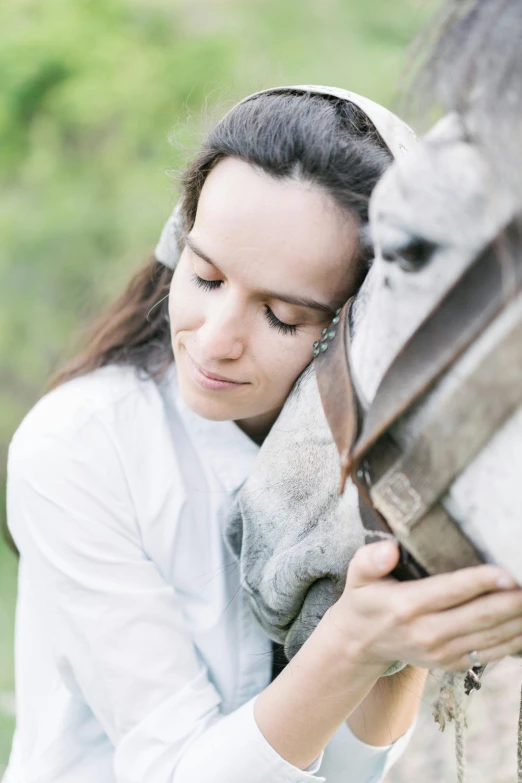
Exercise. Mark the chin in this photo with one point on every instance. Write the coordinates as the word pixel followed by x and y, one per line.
pixel 199 402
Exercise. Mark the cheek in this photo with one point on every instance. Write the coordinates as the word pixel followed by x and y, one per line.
pixel 284 358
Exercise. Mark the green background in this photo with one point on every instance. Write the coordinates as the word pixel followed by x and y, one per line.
pixel 91 92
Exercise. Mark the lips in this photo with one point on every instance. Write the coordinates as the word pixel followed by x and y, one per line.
pixel 214 376
pixel 212 381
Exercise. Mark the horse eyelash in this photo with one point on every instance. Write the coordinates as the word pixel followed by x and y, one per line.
pixel 275 323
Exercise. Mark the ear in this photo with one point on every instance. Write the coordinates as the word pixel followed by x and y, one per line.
pixel 169 248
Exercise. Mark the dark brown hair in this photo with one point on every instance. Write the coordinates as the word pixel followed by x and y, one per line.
pixel 320 139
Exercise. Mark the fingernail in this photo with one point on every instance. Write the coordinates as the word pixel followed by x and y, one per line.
pixel 382 553
pixel 506 582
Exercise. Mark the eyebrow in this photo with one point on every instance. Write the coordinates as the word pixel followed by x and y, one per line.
pixel 294 300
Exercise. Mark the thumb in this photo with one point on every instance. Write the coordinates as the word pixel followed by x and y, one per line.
pixel 372 562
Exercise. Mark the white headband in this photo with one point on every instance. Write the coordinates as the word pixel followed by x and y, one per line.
pixel 397 136
pixel 169 247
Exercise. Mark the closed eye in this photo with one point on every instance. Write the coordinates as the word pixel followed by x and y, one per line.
pixel 275 323
pixel 207 285
pixel 273 320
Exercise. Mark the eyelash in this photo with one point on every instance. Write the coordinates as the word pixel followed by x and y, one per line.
pixel 207 285
pixel 275 323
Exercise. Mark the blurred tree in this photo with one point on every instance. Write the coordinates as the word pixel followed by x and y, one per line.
pixel 89 93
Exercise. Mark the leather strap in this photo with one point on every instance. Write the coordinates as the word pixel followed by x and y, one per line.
pixel 452 325
pixel 388 498
pixel 342 410
pixel 467 413
pixel 487 392
pixel 337 391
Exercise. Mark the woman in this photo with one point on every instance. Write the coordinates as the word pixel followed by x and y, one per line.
pixel 137 658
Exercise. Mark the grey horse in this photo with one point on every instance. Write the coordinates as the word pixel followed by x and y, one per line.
pixel 445 202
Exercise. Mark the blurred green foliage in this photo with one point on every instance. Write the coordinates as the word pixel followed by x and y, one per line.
pixel 90 92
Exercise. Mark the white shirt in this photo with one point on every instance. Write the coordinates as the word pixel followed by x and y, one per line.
pixel 137 658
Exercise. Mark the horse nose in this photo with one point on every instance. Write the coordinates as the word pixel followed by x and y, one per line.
pixel 320 596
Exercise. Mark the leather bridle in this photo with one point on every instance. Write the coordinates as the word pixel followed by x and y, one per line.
pixel 400 491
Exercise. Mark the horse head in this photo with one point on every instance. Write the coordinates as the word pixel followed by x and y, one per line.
pixel 433 213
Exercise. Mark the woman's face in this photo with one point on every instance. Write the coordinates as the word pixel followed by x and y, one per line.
pixel 264 267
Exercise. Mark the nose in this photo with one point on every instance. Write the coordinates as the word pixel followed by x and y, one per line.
pixel 222 335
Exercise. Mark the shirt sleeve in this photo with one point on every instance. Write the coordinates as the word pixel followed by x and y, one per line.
pixel 349 760
pixel 117 626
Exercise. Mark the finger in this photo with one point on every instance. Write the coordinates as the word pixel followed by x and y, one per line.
pixel 487 655
pixel 444 591
pixel 485 613
pixel 372 562
pixel 485 640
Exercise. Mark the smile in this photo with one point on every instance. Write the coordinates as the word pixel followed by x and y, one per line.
pixel 211 381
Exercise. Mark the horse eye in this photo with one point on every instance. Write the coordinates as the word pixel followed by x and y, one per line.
pixel 411 257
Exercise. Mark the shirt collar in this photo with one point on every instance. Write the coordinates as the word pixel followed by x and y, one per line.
pixel 223 444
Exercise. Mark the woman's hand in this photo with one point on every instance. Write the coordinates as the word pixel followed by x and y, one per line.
pixel 433 622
